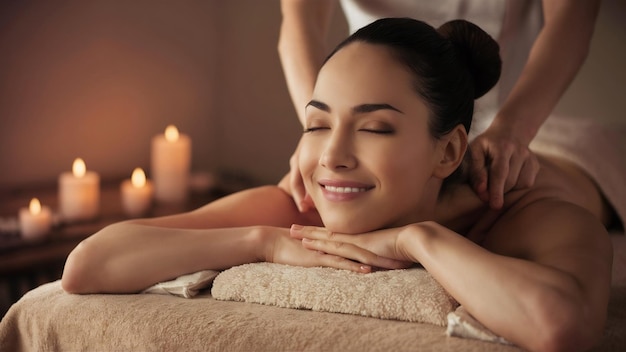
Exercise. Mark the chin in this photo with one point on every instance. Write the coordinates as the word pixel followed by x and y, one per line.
pixel 347 226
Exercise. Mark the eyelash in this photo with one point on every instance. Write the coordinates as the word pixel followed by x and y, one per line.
pixel 313 129
pixel 378 131
pixel 381 132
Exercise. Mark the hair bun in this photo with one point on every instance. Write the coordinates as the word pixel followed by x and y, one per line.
pixel 479 51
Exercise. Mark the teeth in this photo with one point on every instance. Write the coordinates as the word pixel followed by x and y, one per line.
pixel 344 189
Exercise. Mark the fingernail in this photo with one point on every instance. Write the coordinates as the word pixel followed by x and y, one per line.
pixel 366 268
pixel 296 227
pixel 308 240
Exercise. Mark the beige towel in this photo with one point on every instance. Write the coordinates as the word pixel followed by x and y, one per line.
pixel 410 295
pixel 462 324
pixel 185 286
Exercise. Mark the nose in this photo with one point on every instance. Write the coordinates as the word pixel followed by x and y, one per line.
pixel 338 152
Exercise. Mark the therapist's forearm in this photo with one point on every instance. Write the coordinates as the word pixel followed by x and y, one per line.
pixel 554 61
pixel 302 46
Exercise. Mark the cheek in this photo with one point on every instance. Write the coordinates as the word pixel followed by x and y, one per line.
pixel 409 165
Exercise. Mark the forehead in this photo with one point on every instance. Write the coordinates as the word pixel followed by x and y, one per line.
pixel 362 72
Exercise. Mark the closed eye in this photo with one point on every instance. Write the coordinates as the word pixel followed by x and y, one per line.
pixel 385 131
pixel 313 129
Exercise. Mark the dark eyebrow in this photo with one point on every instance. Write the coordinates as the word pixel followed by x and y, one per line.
pixel 319 105
pixel 365 108
pixel 359 109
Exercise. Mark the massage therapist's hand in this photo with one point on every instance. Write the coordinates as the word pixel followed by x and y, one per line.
pixel 377 249
pixel 296 185
pixel 501 162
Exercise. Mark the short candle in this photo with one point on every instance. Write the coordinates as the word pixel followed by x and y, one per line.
pixel 136 194
pixel 170 165
pixel 35 221
pixel 79 193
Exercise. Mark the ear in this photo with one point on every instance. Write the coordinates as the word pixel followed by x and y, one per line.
pixel 451 149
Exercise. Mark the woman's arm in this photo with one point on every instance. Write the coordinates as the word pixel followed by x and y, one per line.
pixel 246 227
pixel 502 160
pixel 302 46
pixel 132 255
pixel 541 280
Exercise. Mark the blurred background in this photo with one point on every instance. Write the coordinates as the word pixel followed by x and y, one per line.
pixel 98 79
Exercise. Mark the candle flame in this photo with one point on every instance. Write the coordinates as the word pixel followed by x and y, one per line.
pixel 34 206
pixel 78 168
pixel 138 179
pixel 171 133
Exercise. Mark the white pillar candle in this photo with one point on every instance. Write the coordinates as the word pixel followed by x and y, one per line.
pixel 79 193
pixel 136 194
pixel 170 165
pixel 35 221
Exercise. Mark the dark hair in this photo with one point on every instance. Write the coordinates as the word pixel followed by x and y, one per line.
pixel 452 65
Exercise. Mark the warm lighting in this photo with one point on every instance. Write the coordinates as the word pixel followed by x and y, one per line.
pixel 171 133
pixel 35 206
pixel 35 221
pixel 138 179
pixel 79 168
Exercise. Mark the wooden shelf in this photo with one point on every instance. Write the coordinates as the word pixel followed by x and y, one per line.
pixel 25 265
pixel 18 255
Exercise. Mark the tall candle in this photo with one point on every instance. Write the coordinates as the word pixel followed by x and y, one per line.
pixel 79 193
pixel 171 162
pixel 136 194
pixel 35 221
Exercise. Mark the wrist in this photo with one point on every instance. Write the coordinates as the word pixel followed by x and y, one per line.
pixel 415 240
pixel 514 127
pixel 261 242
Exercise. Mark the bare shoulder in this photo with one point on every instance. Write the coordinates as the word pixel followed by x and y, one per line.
pixel 549 226
pixel 563 211
pixel 266 205
pixel 565 205
pixel 558 224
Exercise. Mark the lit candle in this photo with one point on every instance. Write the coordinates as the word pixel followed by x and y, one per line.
pixel 136 194
pixel 35 221
pixel 79 193
pixel 170 165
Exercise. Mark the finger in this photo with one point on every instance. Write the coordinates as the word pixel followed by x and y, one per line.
pixel 511 179
pixel 352 252
pixel 297 187
pixel 478 172
pixel 338 262
pixel 497 176
pixel 528 173
pixel 307 203
pixel 313 232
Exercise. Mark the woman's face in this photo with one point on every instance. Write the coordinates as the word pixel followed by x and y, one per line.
pixel 366 156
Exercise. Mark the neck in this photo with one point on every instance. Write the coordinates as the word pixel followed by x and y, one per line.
pixel 458 208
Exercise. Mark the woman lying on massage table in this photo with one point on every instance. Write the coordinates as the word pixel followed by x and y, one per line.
pixel 381 156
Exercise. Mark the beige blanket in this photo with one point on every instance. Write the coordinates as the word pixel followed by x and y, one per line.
pixel 48 319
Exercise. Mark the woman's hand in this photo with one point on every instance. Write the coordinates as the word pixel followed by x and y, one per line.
pixel 500 162
pixel 283 249
pixel 378 249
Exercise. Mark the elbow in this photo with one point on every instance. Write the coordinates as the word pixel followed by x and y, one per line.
pixel 84 270
pixel 565 326
pixel 77 274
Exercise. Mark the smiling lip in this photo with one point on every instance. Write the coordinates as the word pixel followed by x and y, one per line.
pixel 338 191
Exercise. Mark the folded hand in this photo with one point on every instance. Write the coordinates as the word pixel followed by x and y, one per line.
pixel 378 249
